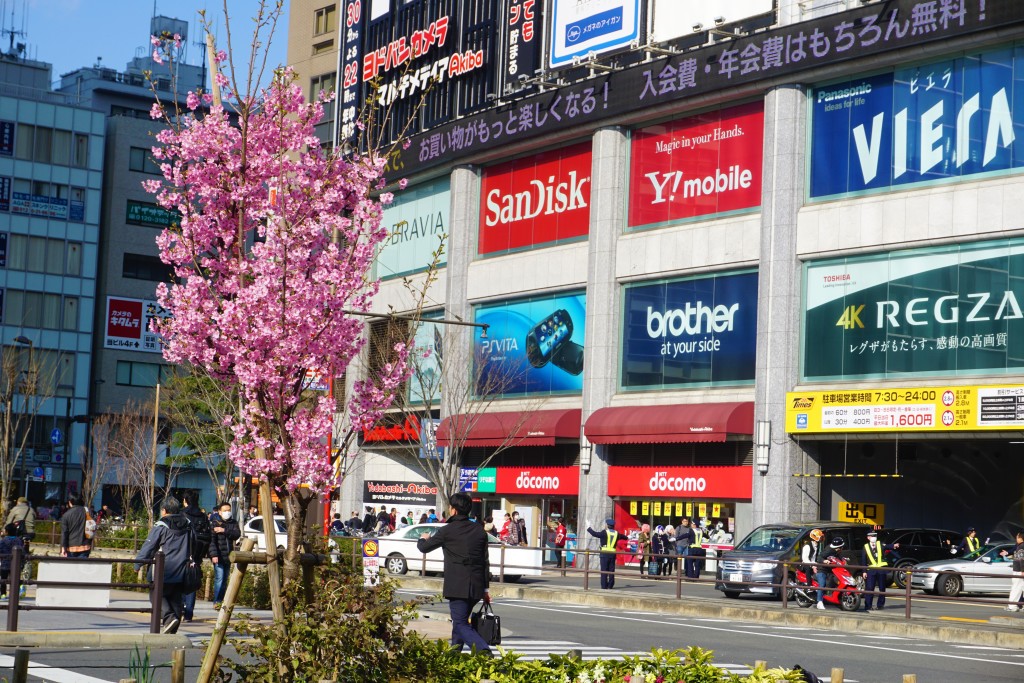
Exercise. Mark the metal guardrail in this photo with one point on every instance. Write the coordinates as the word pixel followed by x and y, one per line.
pixel 18 560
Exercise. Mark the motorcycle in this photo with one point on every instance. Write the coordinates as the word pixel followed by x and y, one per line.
pixel 839 586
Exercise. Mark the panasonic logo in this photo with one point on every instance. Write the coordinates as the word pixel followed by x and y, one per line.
pixel 662 482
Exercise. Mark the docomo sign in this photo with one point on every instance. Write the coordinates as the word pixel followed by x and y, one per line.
pixel 702 165
pixel 546 480
pixel 537 200
pixel 681 482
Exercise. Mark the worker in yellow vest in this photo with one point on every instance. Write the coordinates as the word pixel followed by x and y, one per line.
pixel 877 572
pixel 608 537
pixel 969 544
pixel 695 554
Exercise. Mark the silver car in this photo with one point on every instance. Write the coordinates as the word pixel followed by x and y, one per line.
pixel 986 570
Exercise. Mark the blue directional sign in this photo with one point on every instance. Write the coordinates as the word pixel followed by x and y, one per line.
pixel 56 437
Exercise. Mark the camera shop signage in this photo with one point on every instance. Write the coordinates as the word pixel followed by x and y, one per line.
pixel 941 311
pixel 698 166
pixel 778 55
pixel 534 201
pixel 697 330
pixel 681 482
pixel 128 324
pixel 561 481
pixel 399 492
pixel 947 120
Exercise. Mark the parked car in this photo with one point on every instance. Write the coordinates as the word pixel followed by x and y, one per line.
pixel 753 565
pixel 950 577
pixel 399 554
pixel 917 546
pixel 254 529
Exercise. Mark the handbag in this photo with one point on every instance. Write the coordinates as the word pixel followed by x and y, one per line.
pixel 191 578
pixel 488 624
pixel 653 568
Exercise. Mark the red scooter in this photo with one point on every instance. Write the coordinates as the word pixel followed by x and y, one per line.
pixel 839 586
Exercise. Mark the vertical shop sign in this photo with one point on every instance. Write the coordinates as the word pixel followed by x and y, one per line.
pixel 522 41
pixel 697 166
pixel 350 95
pixel 128 324
pixel 579 29
pixel 5 193
pixel 6 138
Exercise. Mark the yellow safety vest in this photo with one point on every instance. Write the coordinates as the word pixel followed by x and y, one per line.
pixel 873 561
pixel 972 544
pixel 609 544
pixel 696 539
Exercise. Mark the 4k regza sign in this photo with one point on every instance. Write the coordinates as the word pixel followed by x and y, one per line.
pixel 943 311
pixel 940 121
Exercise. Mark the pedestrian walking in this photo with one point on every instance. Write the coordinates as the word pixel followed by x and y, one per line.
pixel 514 530
pixel 684 537
pixel 969 543
pixel 24 518
pixel 8 542
pixel 173 535
pixel 1017 582
pixel 608 538
pixel 524 536
pixel 369 520
pixel 432 516
pixel 355 522
pixel 559 542
pixel 73 539
pixel 670 550
pixel 225 533
pixel 467 569
pixel 643 547
pixel 659 548
pixel 383 521
pixel 877 573
pixel 503 534
pixel 203 536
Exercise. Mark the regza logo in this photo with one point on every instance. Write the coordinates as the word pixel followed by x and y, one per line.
pixel 594 26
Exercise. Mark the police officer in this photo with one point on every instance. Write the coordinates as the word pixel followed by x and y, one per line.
pixel 692 563
pixel 876 575
pixel 969 544
pixel 608 538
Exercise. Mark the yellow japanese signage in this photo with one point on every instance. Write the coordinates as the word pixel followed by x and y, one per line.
pixel 679 509
pixel 657 508
pixel 689 509
pixel 702 509
pixel 632 508
pixel 863 513
pixel 716 510
pixel 645 508
pixel 903 409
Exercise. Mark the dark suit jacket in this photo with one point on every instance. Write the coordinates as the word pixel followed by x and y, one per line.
pixel 467 568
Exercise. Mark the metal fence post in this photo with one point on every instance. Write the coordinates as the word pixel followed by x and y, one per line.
pixel 908 577
pixel 501 566
pixel 586 569
pixel 784 587
pixel 14 589
pixel 157 593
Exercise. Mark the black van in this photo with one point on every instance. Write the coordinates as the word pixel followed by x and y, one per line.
pixel 750 567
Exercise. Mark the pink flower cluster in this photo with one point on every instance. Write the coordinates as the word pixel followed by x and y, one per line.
pixel 276 239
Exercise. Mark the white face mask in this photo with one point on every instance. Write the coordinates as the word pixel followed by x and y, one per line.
pixel 226 515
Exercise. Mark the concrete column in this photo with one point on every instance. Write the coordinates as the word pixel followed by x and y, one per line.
pixel 777 494
pixel 600 370
pixel 462 239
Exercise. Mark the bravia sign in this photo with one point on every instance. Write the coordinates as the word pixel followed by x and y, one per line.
pixel 944 120
pixel 681 482
pixel 697 166
pixel 942 311
pixel 534 201
pixel 698 330
pixel 417 224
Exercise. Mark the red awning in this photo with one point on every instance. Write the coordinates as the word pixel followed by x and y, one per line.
pixel 539 428
pixel 701 422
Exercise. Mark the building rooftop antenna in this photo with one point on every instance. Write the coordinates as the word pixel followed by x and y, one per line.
pixel 12 32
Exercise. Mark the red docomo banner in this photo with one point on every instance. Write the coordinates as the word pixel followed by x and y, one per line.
pixel 562 481
pixel 681 482
pixel 697 166
pixel 537 200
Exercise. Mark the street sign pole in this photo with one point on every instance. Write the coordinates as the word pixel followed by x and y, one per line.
pixel 67 454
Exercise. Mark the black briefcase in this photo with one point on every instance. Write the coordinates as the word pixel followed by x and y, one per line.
pixel 488 624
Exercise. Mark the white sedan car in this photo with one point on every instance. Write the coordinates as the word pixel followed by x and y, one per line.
pixel 399 554
pixel 953 576
pixel 254 529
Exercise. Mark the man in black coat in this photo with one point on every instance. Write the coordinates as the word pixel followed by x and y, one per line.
pixel 225 533
pixel 173 535
pixel 467 569
pixel 203 537
pixel 369 520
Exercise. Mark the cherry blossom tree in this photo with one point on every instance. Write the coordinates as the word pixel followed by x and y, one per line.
pixel 271 255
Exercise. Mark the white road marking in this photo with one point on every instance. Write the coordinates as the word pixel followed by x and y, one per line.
pixel 49 673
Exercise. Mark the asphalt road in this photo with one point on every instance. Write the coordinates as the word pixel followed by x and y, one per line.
pixel 536 628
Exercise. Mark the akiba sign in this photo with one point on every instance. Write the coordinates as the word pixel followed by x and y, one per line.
pixel 681 482
pixel 942 311
pixel 535 201
pixel 945 120
pixel 697 166
pixel 399 492
pixel 698 330
pixel 417 223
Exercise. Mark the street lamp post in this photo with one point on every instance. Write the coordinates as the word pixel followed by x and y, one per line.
pixel 67 446
pixel 25 341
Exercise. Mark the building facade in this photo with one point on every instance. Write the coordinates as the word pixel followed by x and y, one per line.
pixel 743 265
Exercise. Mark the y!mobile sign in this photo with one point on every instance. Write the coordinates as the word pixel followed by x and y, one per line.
pixel 128 324
pixel 701 165
pixel 680 482
pixel 535 201
pixel 940 121
pixel 595 26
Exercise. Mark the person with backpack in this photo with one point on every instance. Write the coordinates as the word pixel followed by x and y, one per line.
pixel 173 535
pixel 203 536
pixel 225 533
pixel 24 518
pixel 75 535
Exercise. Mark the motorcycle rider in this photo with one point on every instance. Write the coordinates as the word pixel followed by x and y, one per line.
pixel 811 556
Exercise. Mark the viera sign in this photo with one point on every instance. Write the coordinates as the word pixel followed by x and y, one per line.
pixel 941 311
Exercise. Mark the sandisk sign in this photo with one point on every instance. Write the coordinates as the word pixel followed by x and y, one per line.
pixel 681 482
pixel 535 201
pixel 544 480
pixel 698 166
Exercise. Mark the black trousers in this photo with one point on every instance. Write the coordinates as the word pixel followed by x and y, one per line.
pixel 174 600
pixel 462 633
pixel 607 570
